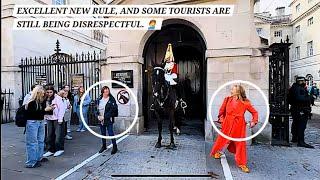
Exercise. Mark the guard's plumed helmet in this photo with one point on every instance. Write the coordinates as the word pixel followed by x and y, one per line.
pixel 169 54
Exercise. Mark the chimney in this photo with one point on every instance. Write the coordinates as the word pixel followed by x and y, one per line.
pixel 280 11
pixel 257 6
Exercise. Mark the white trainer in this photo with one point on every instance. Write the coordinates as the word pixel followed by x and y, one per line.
pixel 67 137
pixel 58 153
pixel 47 154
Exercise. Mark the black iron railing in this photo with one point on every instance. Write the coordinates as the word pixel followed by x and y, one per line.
pixel 6 106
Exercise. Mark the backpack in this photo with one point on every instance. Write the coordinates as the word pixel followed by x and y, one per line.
pixel 21 119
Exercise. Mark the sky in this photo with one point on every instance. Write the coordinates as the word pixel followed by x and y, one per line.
pixel 271 5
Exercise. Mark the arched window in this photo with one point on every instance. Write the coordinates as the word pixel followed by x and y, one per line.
pixel 309 78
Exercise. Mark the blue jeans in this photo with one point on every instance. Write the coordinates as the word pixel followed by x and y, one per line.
pixel 34 141
pixel 103 129
pixel 85 116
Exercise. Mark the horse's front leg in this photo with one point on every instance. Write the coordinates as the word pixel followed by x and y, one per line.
pixel 171 124
pixel 158 145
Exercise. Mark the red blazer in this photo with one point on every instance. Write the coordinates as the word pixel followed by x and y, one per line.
pixel 231 115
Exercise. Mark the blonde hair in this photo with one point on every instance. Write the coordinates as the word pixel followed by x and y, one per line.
pixel 240 93
pixel 37 95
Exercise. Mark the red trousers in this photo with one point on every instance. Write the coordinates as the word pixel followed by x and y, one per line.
pixel 237 148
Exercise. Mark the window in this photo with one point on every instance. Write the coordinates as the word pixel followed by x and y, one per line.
pixel 278 33
pixel 298 8
pixel 310 21
pixel 259 30
pixel 98 35
pixel 310 48
pixel 59 2
pixel 297 29
pixel 309 79
pixel 297 52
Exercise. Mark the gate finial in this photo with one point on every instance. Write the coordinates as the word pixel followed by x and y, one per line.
pixel 57 50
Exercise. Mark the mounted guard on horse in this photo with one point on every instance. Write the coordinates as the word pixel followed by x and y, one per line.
pixel 167 95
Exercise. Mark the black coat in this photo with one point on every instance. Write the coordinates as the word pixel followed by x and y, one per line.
pixel 299 97
pixel 110 111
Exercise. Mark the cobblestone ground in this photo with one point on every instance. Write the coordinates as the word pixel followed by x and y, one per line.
pixel 138 156
pixel 296 163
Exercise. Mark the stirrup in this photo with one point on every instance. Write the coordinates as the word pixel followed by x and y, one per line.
pixel 244 168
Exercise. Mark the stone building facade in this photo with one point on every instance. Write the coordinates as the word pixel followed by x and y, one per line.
pixel 17 44
pixel 210 51
pixel 223 49
pixel 301 28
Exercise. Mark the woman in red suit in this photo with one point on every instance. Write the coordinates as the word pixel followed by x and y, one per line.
pixel 231 116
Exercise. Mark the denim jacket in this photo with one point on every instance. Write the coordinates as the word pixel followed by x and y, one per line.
pixel 86 103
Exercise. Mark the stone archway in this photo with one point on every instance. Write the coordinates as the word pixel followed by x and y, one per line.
pixel 189 50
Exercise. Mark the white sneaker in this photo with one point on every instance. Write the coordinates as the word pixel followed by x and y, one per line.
pixel 67 137
pixel 82 130
pixel 58 153
pixel 68 131
pixel 47 154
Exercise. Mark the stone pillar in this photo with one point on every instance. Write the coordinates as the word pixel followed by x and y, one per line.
pixel 242 64
pixel 127 111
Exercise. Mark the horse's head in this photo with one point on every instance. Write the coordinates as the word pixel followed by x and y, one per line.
pixel 158 80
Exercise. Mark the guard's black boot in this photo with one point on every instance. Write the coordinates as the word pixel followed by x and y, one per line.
pixel 114 149
pixel 102 149
pixel 305 145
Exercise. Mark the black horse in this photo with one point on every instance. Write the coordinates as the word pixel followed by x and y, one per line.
pixel 164 101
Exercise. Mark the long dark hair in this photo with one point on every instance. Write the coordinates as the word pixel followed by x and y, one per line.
pixel 102 91
pixel 50 87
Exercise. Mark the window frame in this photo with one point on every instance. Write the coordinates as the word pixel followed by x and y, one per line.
pixel 310 48
pixel 297 52
pixel 298 6
pixel 310 21
pixel 297 29
pixel 278 33
pixel 259 31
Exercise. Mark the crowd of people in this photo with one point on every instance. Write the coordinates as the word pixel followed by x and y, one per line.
pixel 48 114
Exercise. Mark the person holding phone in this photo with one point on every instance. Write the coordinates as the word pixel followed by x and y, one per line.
pixel 231 117
pixel 35 132
pixel 55 123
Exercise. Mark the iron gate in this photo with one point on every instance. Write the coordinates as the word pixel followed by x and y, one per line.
pixel 278 92
pixel 59 68
pixel 6 105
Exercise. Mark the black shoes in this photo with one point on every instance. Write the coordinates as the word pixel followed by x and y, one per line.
pixel 114 149
pixel 305 145
pixel 102 149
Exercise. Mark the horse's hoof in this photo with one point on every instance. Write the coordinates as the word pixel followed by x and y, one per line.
pixel 172 146
pixel 158 145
